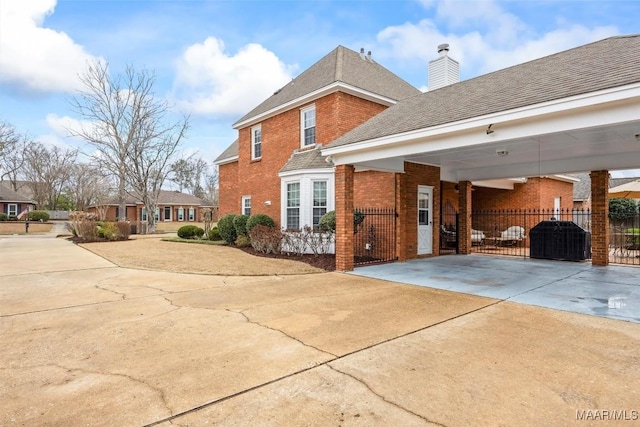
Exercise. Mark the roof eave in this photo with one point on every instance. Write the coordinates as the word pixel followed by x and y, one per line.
pixel 312 96
pixel 226 160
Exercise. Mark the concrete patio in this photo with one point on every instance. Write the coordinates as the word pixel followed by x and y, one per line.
pixel 611 291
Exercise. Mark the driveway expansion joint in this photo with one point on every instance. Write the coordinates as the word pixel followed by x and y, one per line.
pixel 383 398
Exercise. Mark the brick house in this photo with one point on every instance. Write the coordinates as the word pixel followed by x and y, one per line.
pixel 12 203
pixel 172 206
pixel 275 166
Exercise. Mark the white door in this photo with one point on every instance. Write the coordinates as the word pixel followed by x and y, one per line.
pixel 425 220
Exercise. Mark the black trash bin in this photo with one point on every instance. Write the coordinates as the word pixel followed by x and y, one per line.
pixel 559 240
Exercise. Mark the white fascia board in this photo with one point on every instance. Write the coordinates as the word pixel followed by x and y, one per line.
pixel 476 125
pixel 226 160
pixel 395 165
pixel 564 178
pixel 312 96
pixel 323 171
pixel 503 184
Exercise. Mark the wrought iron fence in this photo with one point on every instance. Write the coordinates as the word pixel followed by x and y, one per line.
pixel 375 236
pixel 507 232
pixel 624 240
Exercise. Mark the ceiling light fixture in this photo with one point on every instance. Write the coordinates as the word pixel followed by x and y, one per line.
pixel 502 152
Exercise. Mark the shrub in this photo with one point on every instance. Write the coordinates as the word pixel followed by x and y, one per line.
pixel 259 219
pixel 620 209
pixel 109 231
pixel 243 241
pixel 266 239
pixel 328 221
pixel 124 230
pixel 226 229
pixel 3 216
pixel 190 232
pixel 240 224
pixel 214 234
pixel 39 216
pixel 87 230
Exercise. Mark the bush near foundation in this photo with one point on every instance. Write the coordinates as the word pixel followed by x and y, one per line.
pixel 266 239
pixel 240 224
pixel 214 234
pixel 226 228
pixel 259 219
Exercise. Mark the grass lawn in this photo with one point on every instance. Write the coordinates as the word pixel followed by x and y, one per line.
pixel 17 227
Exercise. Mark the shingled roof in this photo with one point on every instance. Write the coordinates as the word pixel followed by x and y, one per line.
pixel 340 65
pixel 7 195
pixel 605 64
pixel 229 154
pixel 307 159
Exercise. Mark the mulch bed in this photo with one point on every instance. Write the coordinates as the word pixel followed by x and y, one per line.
pixel 325 262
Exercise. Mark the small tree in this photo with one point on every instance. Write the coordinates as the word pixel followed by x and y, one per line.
pixel 621 209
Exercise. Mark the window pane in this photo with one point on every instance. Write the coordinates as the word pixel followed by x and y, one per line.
pixel 256 138
pixel 320 193
pixel 317 214
pixel 423 217
pixel 293 218
pixel 293 194
pixel 309 126
pixel 310 136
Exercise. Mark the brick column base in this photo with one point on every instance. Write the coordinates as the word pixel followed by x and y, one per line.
pixel 464 217
pixel 344 217
pixel 599 217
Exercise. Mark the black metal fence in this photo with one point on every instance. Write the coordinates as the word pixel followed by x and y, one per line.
pixel 624 240
pixel 448 227
pixel 507 232
pixel 375 236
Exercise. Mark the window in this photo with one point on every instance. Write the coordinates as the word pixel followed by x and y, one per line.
pixel 192 214
pixel 156 215
pixel 256 142
pixel 293 206
pixel 246 205
pixel 167 213
pixel 308 126
pixel 319 201
pixel 12 209
pixel 180 214
pixel 143 214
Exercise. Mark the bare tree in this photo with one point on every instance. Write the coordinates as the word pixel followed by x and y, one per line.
pixel 211 185
pixel 188 174
pixel 130 130
pixel 48 171
pixel 89 186
pixel 12 146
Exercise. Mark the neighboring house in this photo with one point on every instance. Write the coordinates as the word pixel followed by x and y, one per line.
pixel 582 189
pixel 172 206
pixel 12 203
pixel 347 134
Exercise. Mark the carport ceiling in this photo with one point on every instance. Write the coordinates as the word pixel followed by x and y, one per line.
pixel 611 147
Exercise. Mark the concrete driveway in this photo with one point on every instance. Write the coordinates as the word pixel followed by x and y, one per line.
pixel 87 343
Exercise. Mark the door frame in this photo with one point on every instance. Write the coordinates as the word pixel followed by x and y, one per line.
pixel 427 249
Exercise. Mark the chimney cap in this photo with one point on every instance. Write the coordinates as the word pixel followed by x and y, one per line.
pixel 444 47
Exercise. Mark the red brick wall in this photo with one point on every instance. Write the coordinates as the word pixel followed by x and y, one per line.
pixel 229 197
pixel 600 218
pixel 374 189
pixel 536 193
pixel 344 218
pixel 336 114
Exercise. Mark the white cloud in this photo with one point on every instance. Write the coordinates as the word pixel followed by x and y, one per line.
pixel 211 81
pixel 33 57
pixel 483 37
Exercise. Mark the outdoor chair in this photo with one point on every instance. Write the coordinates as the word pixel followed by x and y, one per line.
pixel 511 236
pixel 477 237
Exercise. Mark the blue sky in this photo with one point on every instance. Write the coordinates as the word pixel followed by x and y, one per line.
pixel 215 60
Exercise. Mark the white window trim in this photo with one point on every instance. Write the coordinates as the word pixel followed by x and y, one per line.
pixel 302 128
pixel 180 213
pixel 15 209
pixel 306 179
pixel 143 214
pixel 253 142
pixel 164 215
pixel 242 204
pixel 191 214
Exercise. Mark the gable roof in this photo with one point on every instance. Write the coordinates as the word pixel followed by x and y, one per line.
pixel 306 159
pixel 229 155
pixel 166 197
pixel 605 64
pixel 7 195
pixel 341 65
pixel 582 189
